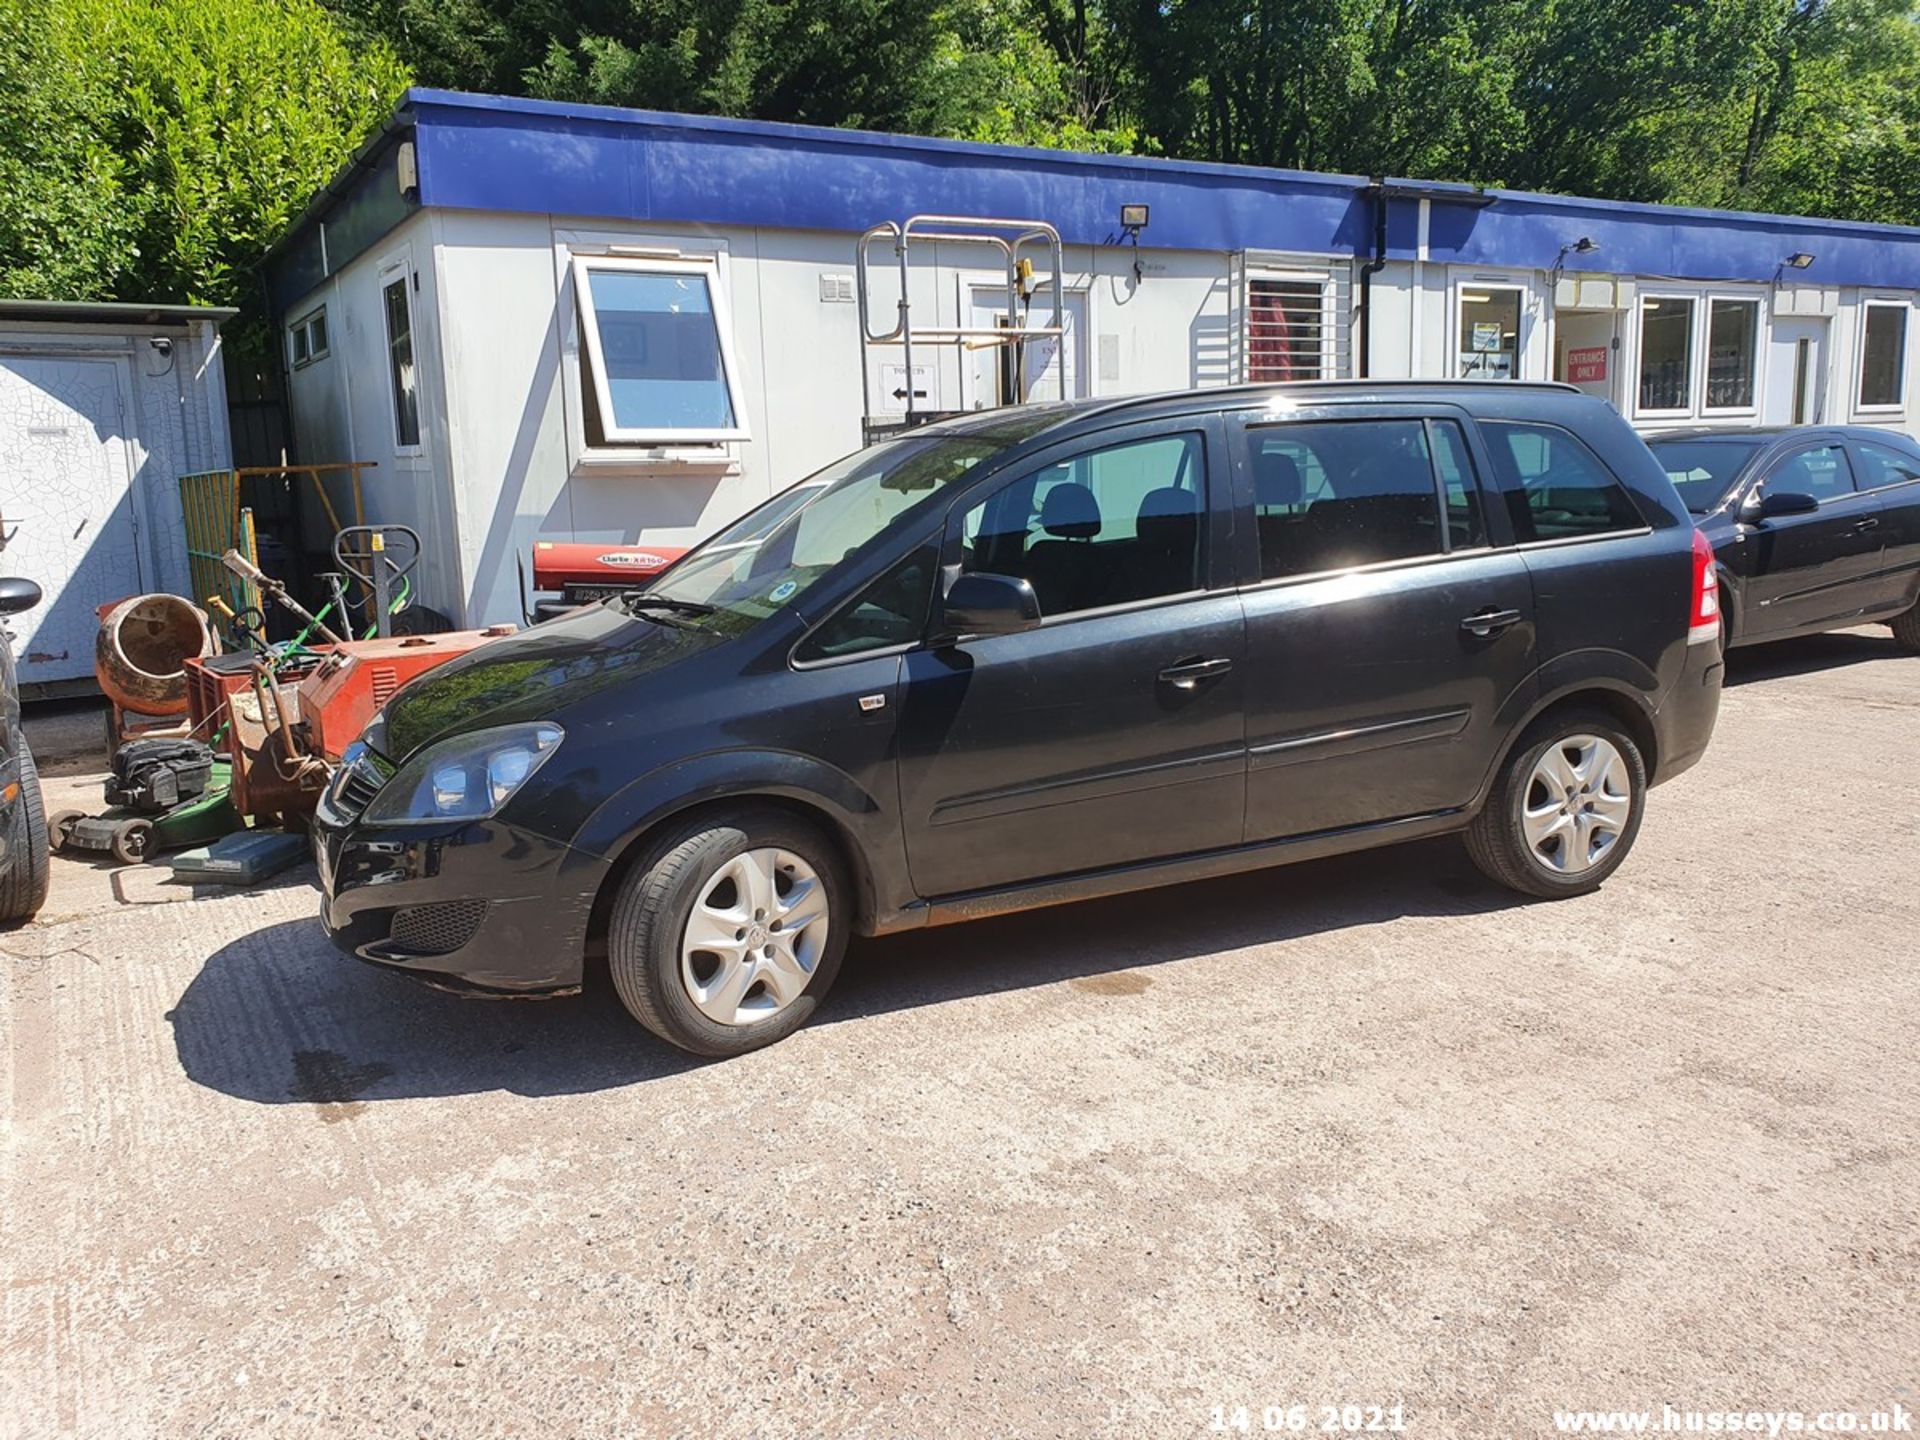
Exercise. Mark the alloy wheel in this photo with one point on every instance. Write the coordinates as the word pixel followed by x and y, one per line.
pixel 1577 804
pixel 756 933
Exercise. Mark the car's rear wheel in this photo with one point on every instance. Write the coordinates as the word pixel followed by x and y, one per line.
pixel 23 883
pixel 1566 808
pixel 728 931
pixel 1906 630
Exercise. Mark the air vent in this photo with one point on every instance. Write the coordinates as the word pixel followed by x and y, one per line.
pixel 436 929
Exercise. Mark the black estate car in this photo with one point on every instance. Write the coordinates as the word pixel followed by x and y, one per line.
pixel 1814 527
pixel 1038 655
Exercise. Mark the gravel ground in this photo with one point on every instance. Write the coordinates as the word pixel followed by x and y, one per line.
pixel 1358 1132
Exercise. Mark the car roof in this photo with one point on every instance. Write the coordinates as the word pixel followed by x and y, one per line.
pixel 1053 418
pixel 1769 433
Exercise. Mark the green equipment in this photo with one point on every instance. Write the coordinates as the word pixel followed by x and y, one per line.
pixel 131 836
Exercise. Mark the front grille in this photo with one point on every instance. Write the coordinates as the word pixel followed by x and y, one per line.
pixel 354 785
pixel 438 929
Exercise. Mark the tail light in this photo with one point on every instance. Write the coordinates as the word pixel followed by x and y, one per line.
pixel 1703 626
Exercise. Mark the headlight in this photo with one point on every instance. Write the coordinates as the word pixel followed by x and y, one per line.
pixel 465 777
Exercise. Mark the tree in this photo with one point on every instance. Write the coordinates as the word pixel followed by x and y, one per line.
pixel 154 149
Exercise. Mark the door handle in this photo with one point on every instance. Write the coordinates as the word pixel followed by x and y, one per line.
pixel 1872 522
pixel 1187 674
pixel 1484 622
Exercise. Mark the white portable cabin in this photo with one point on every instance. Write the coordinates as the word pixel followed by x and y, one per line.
pixel 580 323
pixel 102 408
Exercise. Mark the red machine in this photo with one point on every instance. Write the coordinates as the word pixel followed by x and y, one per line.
pixel 285 733
pixel 580 574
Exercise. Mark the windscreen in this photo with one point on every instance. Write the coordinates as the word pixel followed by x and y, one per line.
pixel 1703 470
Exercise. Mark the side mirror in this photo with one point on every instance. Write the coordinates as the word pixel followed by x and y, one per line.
pixel 1771 504
pixel 990 605
pixel 17 594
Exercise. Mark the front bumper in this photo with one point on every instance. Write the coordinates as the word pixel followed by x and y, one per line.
pixel 1684 722
pixel 481 906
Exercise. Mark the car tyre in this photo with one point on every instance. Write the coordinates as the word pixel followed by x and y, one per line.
pixel 769 894
pixel 1566 808
pixel 23 883
pixel 1906 630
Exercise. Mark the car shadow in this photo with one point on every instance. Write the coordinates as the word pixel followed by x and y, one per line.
pixel 1811 654
pixel 278 1017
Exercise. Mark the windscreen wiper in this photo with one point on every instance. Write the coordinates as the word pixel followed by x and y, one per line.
pixel 641 600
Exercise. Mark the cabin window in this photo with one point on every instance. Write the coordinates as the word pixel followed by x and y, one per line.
pixel 658 352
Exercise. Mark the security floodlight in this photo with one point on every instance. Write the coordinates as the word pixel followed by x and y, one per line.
pixel 1585 245
pixel 1800 260
pixel 1133 218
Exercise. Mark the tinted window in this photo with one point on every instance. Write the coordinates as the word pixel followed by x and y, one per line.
pixel 890 611
pixel 1351 492
pixel 1884 465
pixel 1114 525
pixel 1819 470
pixel 1556 487
pixel 1703 470
pixel 1466 527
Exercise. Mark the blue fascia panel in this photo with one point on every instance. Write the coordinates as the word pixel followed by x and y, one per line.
pixel 691 169
pixel 493 153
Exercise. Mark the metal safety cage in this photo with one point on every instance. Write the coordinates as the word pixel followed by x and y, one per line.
pixel 1011 238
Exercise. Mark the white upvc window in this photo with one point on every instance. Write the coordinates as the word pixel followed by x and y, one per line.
pixel 1666 380
pixel 1490 330
pixel 1882 386
pixel 403 374
pixel 1732 382
pixel 308 336
pixel 658 344
pixel 1292 326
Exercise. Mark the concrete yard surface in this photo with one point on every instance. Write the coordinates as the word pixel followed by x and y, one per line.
pixel 1362 1132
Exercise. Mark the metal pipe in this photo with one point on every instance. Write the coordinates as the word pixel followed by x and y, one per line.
pixel 1377 189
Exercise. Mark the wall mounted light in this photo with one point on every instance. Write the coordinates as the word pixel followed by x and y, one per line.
pixel 1133 219
pixel 1799 260
pixel 1585 245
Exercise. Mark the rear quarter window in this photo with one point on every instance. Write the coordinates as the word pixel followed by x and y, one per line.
pixel 1556 488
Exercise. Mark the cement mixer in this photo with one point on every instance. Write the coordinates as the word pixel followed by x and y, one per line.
pixel 140 661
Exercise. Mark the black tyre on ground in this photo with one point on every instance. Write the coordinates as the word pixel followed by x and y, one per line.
pixel 729 929
pixel 1906 630
pixel 1565 809
pixel 23 882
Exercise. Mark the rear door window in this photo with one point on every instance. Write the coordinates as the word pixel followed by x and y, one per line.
pixel 1821 471
pixel 1883 465
pixel 1119 524
pixel 1330 495
pixel 1556 488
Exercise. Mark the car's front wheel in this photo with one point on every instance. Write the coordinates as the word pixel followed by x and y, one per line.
pixel 1566 808
pixel 729 929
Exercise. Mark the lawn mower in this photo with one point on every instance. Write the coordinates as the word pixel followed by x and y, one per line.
pixel 163 793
